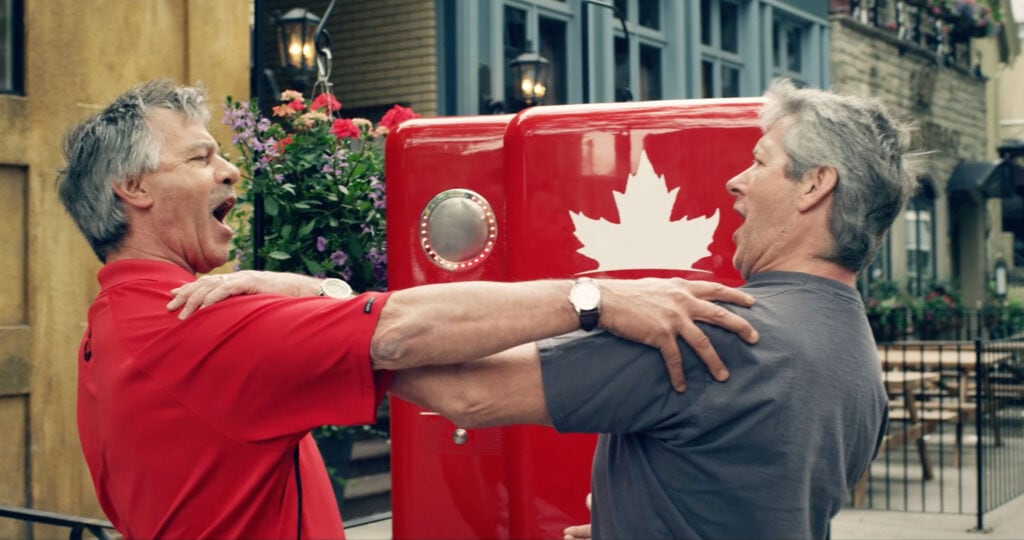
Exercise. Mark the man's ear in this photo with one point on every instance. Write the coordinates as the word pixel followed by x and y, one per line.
pixel 817 185
pixel 133 192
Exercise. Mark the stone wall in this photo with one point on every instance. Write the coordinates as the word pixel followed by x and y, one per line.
pixel 946 104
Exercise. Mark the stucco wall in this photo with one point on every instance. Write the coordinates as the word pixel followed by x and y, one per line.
pixel 946 105
pixel 79 55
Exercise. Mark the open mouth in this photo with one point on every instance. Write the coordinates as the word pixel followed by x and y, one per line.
pixel 223 208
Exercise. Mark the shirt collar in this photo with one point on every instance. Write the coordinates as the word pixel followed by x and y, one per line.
pixel 125 270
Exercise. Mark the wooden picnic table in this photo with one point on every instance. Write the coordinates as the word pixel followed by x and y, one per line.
pixel 908 423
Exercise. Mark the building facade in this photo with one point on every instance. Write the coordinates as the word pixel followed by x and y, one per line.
pixel 63 60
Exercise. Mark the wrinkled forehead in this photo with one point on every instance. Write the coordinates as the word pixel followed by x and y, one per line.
pixel 174 131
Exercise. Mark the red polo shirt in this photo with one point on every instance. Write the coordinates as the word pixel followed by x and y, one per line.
pixel 200 428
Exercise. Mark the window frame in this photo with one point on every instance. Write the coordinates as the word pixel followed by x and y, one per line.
pixel 16 54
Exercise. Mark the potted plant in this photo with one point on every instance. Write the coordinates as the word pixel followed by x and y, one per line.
pixel 321 180
pixel 889 311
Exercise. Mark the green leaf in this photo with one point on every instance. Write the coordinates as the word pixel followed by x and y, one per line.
pixel 270 206
pixel 279 255
pixel 312 266
pixel 305 230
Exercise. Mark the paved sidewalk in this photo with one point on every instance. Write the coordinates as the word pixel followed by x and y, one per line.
pixel 1003 523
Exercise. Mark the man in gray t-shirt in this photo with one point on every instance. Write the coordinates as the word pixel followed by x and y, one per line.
pixel 772 452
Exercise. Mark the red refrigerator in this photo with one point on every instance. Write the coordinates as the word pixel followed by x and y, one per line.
pixel 614 190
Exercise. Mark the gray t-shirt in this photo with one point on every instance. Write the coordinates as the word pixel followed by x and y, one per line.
pixel 771 453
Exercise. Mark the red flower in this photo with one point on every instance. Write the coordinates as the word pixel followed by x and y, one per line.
pixel 279 146
pixel 297 104
pixel 343 127
pixel 325 100
pixel 397 115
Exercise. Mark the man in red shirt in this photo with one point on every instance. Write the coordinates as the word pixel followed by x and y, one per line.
pixel 196 424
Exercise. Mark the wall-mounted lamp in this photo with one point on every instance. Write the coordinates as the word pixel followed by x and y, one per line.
pixel 532 72
pixel 296 42
pixel 531 79
pixel 305 49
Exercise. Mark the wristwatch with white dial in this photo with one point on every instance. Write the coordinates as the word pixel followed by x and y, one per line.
pixel 334 288
pixel 585 297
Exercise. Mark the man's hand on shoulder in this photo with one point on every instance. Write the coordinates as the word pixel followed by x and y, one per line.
pixel 213 288
pixel 657 311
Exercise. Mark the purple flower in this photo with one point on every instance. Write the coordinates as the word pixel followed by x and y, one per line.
pixel 321 244
pixel 339 257
pixel 376 256
pixel 377 198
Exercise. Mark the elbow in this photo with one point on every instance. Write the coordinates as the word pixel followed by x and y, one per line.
pixel 390 349
pixel 467 409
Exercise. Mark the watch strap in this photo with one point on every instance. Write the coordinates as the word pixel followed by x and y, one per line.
pixel 589 318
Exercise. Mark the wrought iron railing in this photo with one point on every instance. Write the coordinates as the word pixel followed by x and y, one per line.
pixel 928 24
pixel 955 442
pixel 78 525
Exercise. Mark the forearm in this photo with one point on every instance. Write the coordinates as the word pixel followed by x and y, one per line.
pixel 498 390
pixel 455 322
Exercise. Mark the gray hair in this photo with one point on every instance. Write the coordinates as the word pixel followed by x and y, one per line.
pixel 115 146
pixel 868 149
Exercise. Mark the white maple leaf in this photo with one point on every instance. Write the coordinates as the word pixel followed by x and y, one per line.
pixel 646 236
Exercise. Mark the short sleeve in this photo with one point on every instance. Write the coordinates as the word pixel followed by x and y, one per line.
pixel 264 367
pixel 599 383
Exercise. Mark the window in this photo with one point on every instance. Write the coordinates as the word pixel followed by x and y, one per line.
pixel 721 66
pixel 920 224
pixel 788 42
pixel 529 28
pixel 11 47
pixel 670 49
pixel 639 67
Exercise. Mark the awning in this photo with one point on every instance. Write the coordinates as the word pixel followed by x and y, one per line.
pixel 990 178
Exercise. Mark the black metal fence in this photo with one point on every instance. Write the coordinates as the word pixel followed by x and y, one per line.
pixel 956 431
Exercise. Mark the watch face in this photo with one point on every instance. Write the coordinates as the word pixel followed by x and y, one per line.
pixel 336 288
pixel 585 295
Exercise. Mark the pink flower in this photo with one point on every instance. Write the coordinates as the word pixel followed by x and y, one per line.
pixel 283 111
pixel 395 116
pixel 325 100
pixel 297 104
pixel 343 127
pixel 291 95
